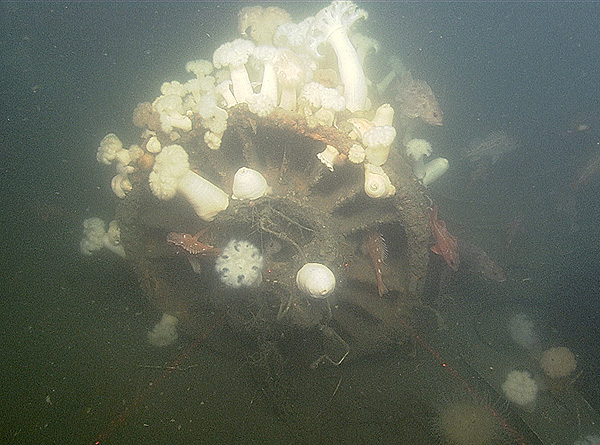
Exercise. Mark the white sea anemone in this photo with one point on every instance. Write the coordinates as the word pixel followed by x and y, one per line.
pixel 267 54
pixel 260 104
pixel 153 145
pixel 240 264
pixel 290 71
pixel 224 90
pixel 171 110
pixel 468 423
pixel 417 150
pixel 377 182
pixel 96 237
pixel 434 170
pixel 201 68
pixel 378 141
pixel 316 279
pixel 111 150
pixel 120 183
pixel 320 103
pixel 331 25
pixel 234 55
pixel 384 115
pixel 260 23
pixel 249 184
pixel 328 156
pixel 520 388
pixel 356 154
pixel 558 362
pixel 171 174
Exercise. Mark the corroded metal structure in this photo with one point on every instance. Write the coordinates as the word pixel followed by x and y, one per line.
pixel 311 215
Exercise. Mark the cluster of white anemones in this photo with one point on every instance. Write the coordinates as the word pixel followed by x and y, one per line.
pixel 96 237
pixel 275 63
pixel 111 151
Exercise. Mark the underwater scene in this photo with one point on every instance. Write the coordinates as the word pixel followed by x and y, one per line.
pixel 300 222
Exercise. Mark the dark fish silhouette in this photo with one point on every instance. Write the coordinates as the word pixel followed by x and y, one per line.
pixel 475 261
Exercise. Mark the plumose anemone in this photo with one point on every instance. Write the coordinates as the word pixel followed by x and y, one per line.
pixel 520 388
pixel 558 362
pixel 240 264
pixel 468 423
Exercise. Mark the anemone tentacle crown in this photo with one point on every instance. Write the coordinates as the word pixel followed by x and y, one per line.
pixel 240 264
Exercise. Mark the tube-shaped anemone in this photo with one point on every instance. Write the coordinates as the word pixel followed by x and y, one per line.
pixel 331 24
pixel 378 141
pixel 267 54
pixel 225 92
pixel 164 332
pixel 120 183
pixel 172 174
pixel 234 56
pixel 434 170
pixel 170 108
pixel 377 182
pixel 290 71
pixel 384 115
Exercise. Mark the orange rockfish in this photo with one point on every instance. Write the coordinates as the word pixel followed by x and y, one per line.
pixel 446 244
pixel 374 246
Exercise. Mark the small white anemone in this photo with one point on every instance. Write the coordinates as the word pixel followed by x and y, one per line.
pixel 240 264
pixel 170 108
pixel 260 104
pixel 111 150
pixel 356 154
pixel 520 388
pixel 434 170
pixel 377 182
pixel 384 115
pixel 329 156
pixel 200 68
pixel 249 184
pixel 378 141
pixel 120 183
pixel 316 279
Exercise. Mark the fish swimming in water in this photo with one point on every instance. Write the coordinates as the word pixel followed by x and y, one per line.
pixel 475 261
pixel 416 99
pixel 446 244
